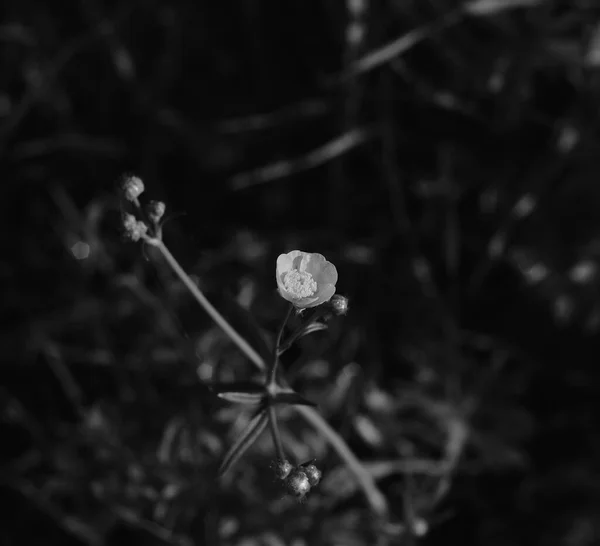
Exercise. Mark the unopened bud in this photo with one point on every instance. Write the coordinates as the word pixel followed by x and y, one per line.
pixel 313 474
pixel 282 468
pixel 155 211
pixel 339 304
pixel 134 229
pixel 132 187
pixel 297 483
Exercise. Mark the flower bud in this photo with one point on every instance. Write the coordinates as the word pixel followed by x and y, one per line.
pixel 155 211
pixel 339 304
pixel 282 468
pixel 133 228
pixel 132 187
pixel 297 483
pixel 313 474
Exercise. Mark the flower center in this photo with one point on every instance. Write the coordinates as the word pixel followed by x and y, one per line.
pixel 299 283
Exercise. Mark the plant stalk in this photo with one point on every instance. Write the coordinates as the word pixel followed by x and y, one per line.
pixel 275 433
pixel 273 370
pixel 243 345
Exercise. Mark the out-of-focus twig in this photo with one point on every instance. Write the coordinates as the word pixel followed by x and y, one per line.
pixel 71 525
pixel 49 74
pixel 282 169
pixel 390 51
pixel 297 112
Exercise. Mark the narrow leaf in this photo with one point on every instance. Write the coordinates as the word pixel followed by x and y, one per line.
pixel 241 445
pixel 311 328
pixel 242 397
pixel 292 398
pixel 239 392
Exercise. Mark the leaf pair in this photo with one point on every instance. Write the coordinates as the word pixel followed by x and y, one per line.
pixel 249 393
pixel 241 445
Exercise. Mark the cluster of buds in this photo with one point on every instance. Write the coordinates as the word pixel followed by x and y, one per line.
pixel 298 479
pixel 134 227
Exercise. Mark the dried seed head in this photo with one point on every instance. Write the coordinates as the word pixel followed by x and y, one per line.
pixel 297 483
pixel 282 468
pixel 313 474
pixel 132 187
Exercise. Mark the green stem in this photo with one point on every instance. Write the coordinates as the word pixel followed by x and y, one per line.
pixel 273 369
pixel 275 433
pixel 208 307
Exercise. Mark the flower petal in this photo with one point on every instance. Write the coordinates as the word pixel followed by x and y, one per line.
pixel 302 303
pixel 301 261
pixel 285 262
pixel 324 274
pixel 315 264
pixel 325 292
pixel 327 275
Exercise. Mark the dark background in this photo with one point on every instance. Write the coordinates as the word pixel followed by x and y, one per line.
pixel 453 178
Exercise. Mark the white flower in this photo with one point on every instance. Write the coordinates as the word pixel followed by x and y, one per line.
pixel 305 279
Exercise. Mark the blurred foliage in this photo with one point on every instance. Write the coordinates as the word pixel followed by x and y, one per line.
pixel 443 154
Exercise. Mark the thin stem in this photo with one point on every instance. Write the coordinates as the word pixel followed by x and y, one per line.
pixel 275 433
pixel 243 345
pixel 273 369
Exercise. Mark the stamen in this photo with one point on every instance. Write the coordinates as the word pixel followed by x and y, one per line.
pixel 299 283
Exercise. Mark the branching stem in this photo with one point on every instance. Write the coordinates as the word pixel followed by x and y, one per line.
pixel 375 498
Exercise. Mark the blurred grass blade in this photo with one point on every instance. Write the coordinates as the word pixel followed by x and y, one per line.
pixel 592 56
pixel 250 435
pixel 292 398
pixel 491 7
pixel 329 151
